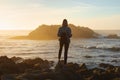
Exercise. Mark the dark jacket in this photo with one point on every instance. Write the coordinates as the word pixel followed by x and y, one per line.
pixel 65 34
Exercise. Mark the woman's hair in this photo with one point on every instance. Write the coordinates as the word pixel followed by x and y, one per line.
pixel 65 23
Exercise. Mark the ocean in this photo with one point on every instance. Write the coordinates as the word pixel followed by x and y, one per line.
pixel 89 51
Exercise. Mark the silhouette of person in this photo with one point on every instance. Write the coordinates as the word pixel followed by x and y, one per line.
pixel 64 33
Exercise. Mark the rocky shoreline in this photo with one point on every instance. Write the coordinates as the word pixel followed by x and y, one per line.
pixel 16 68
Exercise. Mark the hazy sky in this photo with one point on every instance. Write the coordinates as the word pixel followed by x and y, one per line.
pixel 28 14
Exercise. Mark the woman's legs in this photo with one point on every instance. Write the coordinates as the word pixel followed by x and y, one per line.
pixel 66 52
pixel 60 50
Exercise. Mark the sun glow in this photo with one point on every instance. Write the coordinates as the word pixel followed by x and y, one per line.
pixel 24 14
pixel 4 25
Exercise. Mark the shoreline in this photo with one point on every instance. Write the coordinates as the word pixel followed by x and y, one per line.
pixel 16 68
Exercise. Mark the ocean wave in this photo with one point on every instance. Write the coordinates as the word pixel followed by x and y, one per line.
pixel 115 49
pixel 28 53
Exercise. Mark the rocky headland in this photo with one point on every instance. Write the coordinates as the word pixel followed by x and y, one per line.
pixel 49 32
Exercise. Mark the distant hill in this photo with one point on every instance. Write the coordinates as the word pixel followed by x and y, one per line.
pixel 107 32
pixel 46 32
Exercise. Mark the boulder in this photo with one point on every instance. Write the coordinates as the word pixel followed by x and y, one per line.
pixel 7 65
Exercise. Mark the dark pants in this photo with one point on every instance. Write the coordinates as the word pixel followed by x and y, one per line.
pixel 66 46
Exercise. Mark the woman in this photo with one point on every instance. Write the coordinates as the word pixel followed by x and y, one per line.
pixel 64 33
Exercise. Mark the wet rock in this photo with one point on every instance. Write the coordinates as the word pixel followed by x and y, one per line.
pixel 114 49
pixel 92 47
pixel 114 61
pixel 106 65
pixel 60 65
pixel 16 59
pixel 108 76
pixel 83 66
pixel 28 76
pixel 97 71
pixel 88 56
pixel 116 79
pixel 36 75
pixel 68 71
pixel 82 69
pixel 8 77
pixel 5 59
pixel 84 73
pixel 7 65
pixel 117 69
pixel 70 66
pixel 36 63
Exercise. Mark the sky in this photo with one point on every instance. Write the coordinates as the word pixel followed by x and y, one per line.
pixel 29 14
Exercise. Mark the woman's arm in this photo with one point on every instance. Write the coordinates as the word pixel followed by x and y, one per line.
pixel 70 33
pixel 59 32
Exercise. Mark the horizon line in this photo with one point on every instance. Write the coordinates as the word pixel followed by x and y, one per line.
pixel 34 29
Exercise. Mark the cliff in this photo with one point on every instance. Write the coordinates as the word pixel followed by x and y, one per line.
pixel 48 32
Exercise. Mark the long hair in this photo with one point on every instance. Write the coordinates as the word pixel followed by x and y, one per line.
pixel 65 23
